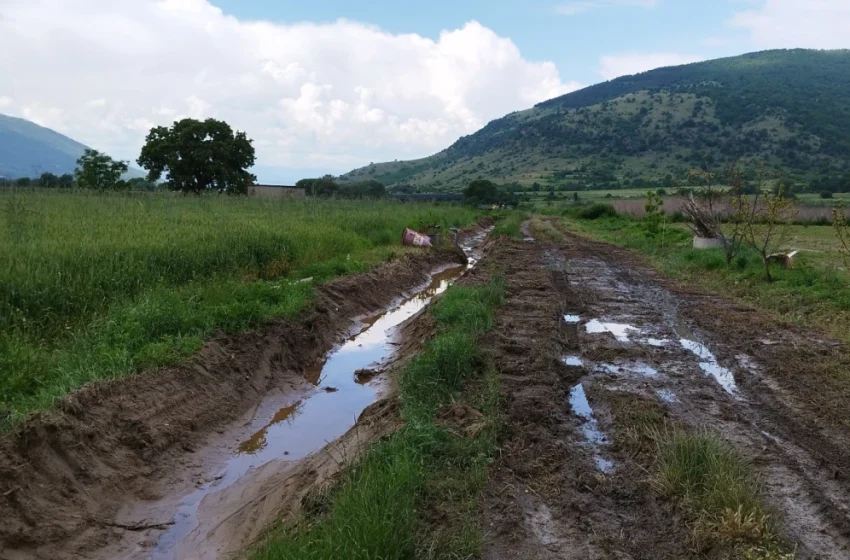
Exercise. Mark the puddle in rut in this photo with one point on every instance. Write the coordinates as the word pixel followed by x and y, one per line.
pixel 302 425
pixel 619 330
pixel 666 395
pixel 573 361
pixel 708 364
pixel 571 319
pixel 592 434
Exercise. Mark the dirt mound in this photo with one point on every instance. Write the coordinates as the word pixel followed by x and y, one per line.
pixel 64 473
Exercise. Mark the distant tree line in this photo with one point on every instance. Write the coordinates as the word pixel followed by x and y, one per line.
pixel 328 187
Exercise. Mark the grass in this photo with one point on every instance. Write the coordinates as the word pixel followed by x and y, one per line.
pixel 415 493
pixel 96 287
pixel 544 230
pixel 708 479
pixel 815 293
pixel 509 224
pixel 720 491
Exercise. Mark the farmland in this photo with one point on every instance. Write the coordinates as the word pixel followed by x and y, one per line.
pixel 99 286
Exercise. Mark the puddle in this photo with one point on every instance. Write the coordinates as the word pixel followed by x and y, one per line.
pixel 292 428
pixel 666 395
pixel 710 366
pixel 644 370
pixel 657 342
pixel 571 319
pixel 574 361
pixel 528 239
pixel 619 330
pixel 592 434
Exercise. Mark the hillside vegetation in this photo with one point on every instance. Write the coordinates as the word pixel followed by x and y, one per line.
pixel 788 109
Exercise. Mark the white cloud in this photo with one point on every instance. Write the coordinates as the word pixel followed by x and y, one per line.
pixel 614 66
pixel 820 24
pixel 331 95
pixel 580 6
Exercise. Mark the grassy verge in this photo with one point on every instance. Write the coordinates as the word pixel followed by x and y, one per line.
pixel 100 286
pixel 545 230
pixel 509 225
pixel 415 493
pixel 815 293
pixel 716 487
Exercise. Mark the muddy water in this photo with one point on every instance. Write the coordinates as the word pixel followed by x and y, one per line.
pixel 290 426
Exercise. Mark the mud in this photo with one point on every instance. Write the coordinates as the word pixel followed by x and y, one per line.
pixel 71 479
pixel 589 333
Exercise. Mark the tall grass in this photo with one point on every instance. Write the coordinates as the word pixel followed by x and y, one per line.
pixel 720 491
pixel 381 508
pixel 98 286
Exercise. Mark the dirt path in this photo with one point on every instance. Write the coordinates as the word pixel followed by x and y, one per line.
pixel 588 334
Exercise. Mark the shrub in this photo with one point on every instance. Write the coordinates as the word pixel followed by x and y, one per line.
pixel 596 211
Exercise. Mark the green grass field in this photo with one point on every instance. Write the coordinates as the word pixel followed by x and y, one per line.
pixel 100 286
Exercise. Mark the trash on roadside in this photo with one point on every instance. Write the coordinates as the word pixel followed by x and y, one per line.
pixel 410 237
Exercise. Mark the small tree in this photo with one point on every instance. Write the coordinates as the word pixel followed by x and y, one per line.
pixel 771 215
pixel 654 213
pixel 199 156
pixel 842 231
pixel 98 171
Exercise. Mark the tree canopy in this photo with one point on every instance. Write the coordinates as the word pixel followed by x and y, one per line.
pixel 199 156
pixel 96 170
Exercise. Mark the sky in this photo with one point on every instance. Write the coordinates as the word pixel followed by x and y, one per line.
pixel 328 86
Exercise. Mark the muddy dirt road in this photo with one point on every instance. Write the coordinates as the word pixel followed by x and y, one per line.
pixel 589 334
pixel 196 461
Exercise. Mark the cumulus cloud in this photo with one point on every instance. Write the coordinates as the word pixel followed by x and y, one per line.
pixel 614 66
pixel 582 6
pixel 820 24
pixel 327 96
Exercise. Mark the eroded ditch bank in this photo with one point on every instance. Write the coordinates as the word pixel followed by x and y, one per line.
pixel 590 340
pixel 128 468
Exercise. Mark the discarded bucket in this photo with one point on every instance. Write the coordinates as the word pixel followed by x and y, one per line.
pixel 410 237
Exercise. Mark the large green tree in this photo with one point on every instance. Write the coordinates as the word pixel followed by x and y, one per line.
pixel 199 156
pixel 96 170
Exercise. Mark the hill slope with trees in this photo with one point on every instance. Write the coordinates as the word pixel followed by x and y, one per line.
pixel 788 109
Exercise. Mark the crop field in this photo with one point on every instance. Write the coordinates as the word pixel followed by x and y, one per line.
pixel 97 286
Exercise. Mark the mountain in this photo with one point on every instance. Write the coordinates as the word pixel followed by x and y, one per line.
pixel 789 109
pixel 28 150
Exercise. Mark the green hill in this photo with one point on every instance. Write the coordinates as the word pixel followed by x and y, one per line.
pixel 788 108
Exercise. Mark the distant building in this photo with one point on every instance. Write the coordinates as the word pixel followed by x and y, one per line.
pixel 276 191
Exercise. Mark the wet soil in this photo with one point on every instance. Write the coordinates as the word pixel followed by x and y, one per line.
pixel 590 334
pixel 69 477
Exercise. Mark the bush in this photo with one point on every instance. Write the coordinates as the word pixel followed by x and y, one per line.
pixel 826 194
pixel 596 211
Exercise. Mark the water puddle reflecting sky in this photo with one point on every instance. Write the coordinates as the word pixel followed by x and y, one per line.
pixel 590 428
pixel 709 365
pixel 619 330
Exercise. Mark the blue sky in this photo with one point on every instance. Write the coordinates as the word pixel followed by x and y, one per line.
pixel 328 86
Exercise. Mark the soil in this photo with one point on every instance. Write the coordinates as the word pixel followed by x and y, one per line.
pixel 568 485
pixel 65 474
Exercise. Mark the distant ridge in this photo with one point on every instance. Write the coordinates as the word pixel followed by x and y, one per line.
pixel 787 108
